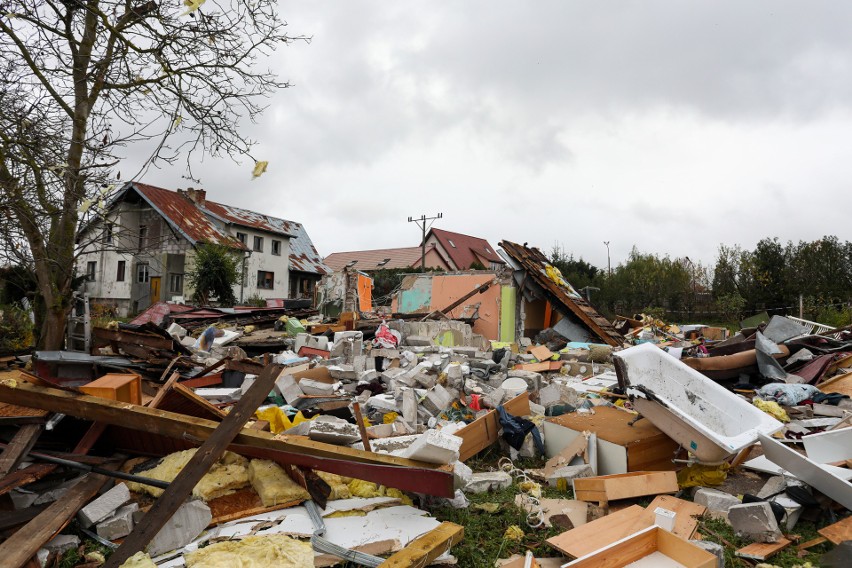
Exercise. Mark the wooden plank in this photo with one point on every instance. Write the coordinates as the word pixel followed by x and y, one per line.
pixel 811 543
pixel 541 353
pixel 840 383
pixel 9 519
pixel 17 550
pixel 164 390
pixel 620 552
pixel 763 550
pixel 625 485
pixel 686 511
pixel 23 441
pixel 485 430
pixel 425 549
pixel 839 531
pixel 209 453
pixel 190 395
pixel 241 504
pixel 597 534
pixel 188 428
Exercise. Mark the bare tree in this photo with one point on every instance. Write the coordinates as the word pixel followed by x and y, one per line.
pixel 81 79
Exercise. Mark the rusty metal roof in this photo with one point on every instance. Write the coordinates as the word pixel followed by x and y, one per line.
pixel 184 216
pixel 251 219
pixel 303 254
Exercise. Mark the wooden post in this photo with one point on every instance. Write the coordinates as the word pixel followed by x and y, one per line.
pixel 422 551
pixel 209 452
pixel 356 409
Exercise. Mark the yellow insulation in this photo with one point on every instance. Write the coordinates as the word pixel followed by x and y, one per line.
pixel 227 475
pixel 273 484
pixel 272 551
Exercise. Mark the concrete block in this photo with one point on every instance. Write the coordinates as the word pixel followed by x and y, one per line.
pixel 433 446
pixel 716 549
pixel 754 521
pixel 338 432
pixel 22 499
pixel 418 341
pixel 61 543
pixel 717 502
pixel 289 388
pixel 105 505
pixel 570 472
pixel 462 475
pixel 343 373
pixel 773 486
pixel 312 387
pixel 383 403
pixel 118 525
pixel 482 482
pixel 494 398
pixel 184 526
pixel 57 492
pixel 426 380
pixel 437 400
pixel 794 510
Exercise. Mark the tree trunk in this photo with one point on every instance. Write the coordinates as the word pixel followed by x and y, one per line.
pixel 53 329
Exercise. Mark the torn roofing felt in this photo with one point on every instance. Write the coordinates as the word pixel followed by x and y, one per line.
pixel 559 293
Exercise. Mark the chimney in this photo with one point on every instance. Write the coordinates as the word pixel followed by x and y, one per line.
pixel 197 196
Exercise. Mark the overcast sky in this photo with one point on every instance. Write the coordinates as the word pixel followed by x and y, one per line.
pixel 671 126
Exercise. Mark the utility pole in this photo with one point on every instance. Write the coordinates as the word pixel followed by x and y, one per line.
pixel 425 223
pixel 608 265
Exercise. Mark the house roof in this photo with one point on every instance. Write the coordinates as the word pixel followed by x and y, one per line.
pixel 464 250
pixel 251 219
pixel 184 216
pixel 303 254
pixel 194 223
pixel 374 259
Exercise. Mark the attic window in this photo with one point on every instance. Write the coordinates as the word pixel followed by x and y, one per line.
pixel 452 244
pixel 384 262
pixel 488 250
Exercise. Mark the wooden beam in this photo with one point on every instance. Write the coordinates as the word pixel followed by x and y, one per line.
pixel 102 336
pixel 181 426
pixel 23 441
pixel 209 453
pixel 19 548
pixel 164 390
pixel 425 549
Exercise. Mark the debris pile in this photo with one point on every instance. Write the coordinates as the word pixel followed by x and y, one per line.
pixel 195 437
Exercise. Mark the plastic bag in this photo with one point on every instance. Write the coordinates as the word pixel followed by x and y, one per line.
pixel 698 475
pixel 386 337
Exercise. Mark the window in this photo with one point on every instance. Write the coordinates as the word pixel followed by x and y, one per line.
pixel 142 273
pixel 108 234
pixel 119 273
pixel 258 244
pixel 242 237
pixel 91 269
pixel 384 262
pixel 265 280
pixel 488 250
pixel 143 238
pixel 276 248
pixel 452 244
pixel 176 283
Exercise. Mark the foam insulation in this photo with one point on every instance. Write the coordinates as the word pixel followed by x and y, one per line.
pixel 339 485
pixel 226 476
pixel 273 551
pixel 273 484
pixel 139 560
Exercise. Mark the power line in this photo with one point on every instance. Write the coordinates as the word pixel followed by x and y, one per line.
pixel 422 223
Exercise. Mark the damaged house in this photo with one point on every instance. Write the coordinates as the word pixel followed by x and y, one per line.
pixel 139 252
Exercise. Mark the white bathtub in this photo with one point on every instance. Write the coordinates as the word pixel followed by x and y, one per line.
pixel 704 417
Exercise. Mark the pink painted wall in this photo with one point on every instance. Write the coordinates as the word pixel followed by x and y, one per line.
pixel 446 289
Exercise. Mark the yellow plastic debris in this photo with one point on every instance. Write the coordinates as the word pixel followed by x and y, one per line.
pixel 772 408
pixel 390 417
pixel 192 5
pixel 487 507
pixel 278 419
pixel 698 475
pixel 515 533
pixel 530 488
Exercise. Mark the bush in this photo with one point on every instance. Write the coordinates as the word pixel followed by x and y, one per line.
pixel 16 329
